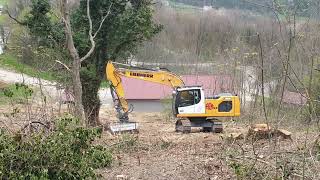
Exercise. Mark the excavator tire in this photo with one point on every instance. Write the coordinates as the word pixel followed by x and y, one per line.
pixel 183 125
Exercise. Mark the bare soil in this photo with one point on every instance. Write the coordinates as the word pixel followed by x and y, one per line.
pixel 162 153
pixel 3 85
pixel 158 152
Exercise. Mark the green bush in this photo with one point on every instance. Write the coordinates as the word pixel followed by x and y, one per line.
pixel 67 152
pixel 17 93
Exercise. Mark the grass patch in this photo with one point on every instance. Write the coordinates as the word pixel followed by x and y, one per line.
pixel 3 2
pixel 3 19
pixel 104 84
pixel 183 6
pixel 14 93
pixel 11 62
pixel 3 16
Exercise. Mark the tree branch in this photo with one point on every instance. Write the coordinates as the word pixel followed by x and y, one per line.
pixel 15 19
pixel 91 35
pixel 122 45
pixel 64 65
pixel 103 19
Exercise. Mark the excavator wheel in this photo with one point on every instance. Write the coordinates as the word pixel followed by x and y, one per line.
pixel 183 125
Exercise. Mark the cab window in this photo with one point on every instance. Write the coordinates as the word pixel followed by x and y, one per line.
pixel 189 97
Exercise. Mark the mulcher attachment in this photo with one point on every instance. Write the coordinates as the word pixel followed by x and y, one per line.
pixel 123 127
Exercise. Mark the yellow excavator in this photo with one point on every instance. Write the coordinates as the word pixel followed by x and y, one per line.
pixel 189 104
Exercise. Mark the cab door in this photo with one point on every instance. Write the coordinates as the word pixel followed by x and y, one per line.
pixel 190 101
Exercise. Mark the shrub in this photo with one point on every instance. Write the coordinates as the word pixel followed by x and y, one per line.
pixel 67 152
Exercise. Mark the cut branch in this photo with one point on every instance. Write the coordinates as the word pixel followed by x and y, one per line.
pixel 64 65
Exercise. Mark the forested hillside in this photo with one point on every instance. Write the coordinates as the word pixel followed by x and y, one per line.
pixel 304 7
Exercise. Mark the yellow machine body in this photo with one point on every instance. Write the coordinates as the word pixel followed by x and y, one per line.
pixel 212 108
pixel 189 102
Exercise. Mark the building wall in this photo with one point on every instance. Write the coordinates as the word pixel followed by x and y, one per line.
pixel 149 105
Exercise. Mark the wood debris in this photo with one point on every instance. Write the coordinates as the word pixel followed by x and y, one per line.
pixel 264 131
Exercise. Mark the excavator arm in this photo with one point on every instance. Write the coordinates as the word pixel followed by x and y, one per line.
pixel 114 75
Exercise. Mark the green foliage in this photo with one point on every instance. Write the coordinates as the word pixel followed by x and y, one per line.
pixel 11 62
pixel 40 24
pixel 165 144
pixel 17 93
pixel 246 170
pixel 239 169
pixel 66 153
pixel 129 23
pixel 104 84
pixel 126 27
pixel 90 98
pixel 38 20
pixel 127 143
pixel 3 2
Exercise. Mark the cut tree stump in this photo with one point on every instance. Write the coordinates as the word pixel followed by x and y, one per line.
pixel 283 133
pixel 263 131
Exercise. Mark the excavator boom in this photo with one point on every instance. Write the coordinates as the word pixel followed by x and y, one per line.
pixel 157 76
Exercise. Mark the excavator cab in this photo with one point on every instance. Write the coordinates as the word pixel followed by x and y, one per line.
pixel 188 100
pixel 193 109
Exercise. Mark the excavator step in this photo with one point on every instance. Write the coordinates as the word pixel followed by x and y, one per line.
pixel 123 127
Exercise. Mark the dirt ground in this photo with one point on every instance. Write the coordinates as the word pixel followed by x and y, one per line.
pixel 162 153
pixel 158 152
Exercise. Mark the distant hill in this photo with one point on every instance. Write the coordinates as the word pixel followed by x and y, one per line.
pixel 241 4
pixel 305 7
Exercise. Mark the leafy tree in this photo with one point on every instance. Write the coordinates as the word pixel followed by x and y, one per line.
pixel 129 24
pixel 46 30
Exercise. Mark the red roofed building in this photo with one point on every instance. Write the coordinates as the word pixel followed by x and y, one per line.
pixel 136 89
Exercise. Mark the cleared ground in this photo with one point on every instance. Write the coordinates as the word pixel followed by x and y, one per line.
pixel 158 152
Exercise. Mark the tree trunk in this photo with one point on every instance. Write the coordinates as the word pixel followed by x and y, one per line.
pixel 90 84
pixel 76 63
pixel 77 90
